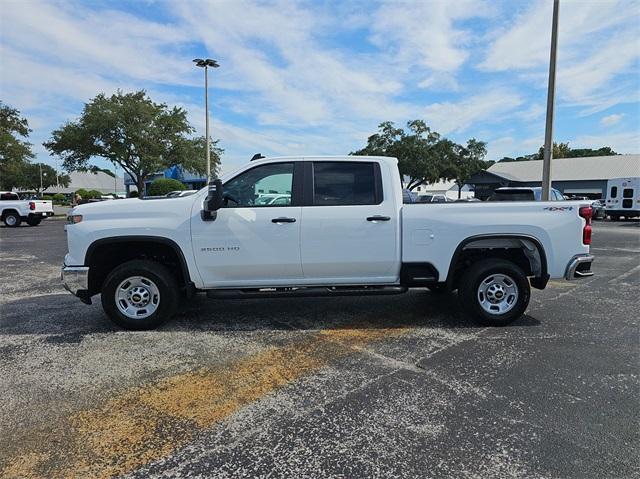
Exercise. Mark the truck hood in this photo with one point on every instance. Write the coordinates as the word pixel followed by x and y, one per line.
pixel 136 208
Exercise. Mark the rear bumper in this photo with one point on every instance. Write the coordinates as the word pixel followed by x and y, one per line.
pixel 43 214
pixel 579 267
pixel 76 280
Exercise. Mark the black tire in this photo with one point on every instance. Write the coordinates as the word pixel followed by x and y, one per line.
pixel 12 219
pixel 34 221
pixel 615 218
pixel 482 271
pixel 159 276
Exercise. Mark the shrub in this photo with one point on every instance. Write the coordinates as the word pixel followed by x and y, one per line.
pixel 93 194
pixel 59 198
pixel 47 197
pixel 133 194
pixel 162 186
pixel 83 193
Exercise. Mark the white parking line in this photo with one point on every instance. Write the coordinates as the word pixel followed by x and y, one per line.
pixel 617 279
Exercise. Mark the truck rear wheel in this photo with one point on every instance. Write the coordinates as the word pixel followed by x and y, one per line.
pixel 140 294
pixel 34 221
pixel 12 219
pixel 494 292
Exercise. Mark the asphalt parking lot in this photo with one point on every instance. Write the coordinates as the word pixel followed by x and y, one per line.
pixel 395 387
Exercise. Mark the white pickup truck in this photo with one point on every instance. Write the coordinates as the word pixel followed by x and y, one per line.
pixel 343 231
pixel 13 210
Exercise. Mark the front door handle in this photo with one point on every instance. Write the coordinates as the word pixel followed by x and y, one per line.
pixel 378 218
pixel 283 220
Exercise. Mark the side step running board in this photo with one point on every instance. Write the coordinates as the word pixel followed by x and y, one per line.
pixel 304 292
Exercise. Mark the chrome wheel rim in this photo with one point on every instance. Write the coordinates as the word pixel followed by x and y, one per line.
pixel 498 294
pixel 137 297
pixel 11 220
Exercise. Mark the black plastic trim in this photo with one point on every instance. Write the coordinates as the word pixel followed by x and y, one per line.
pixel 418 274
pixel 141 239
pixel 539 282
pixel 305 292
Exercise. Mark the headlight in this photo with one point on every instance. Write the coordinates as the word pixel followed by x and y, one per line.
pixel 73 219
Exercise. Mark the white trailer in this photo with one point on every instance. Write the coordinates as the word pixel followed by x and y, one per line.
pixel 623 198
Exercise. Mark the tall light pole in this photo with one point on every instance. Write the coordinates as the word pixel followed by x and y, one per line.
pixel 206 63
pixel 551 92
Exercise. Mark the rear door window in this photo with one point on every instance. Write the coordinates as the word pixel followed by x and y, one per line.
pixel 341 183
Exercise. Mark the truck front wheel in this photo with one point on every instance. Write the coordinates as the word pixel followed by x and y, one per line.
pixel 139 295
pixel 494 292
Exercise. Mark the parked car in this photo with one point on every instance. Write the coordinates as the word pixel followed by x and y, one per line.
pixel 272 199
pixel 13 210
pixel 598 209
pixel 346 232
pixel 180 193
pixel 523 193
pixel 408 196
pixel 437 198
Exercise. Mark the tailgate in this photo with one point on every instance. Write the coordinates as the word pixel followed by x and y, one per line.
pixel 41 206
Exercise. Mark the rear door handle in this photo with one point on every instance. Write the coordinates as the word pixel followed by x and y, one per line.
pixel 283 220
pixel 378 218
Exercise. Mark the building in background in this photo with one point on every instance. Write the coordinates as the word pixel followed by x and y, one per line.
pixel 99 181
pixel 572 176
pixel 190 180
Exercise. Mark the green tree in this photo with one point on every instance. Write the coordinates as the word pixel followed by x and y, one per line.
pixel 162 186
pixel 563 150
pixel 417 150
pixel 32 174
pixel 133 132
pixel 15 151
pixel 559 150
pixel 463 161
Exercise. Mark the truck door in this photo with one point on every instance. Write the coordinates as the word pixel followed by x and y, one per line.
pixel 255 238
pixel 350 224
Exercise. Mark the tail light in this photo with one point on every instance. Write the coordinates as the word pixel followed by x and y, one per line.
pixel 32 205
pixel 586 212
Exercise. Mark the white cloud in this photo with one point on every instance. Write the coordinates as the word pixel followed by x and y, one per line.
pixel 524 43
pixel 627 142
pixel 612 119
pixel 490 107
pixel 427 38
pixel 597 43
pixel 108 43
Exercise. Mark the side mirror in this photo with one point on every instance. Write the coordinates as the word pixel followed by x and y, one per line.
pixel 213 201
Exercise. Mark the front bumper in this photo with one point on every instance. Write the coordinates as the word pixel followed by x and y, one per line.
pixel 76 280
pixel 579 267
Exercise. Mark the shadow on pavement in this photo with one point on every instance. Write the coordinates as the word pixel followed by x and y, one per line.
pixel 65 320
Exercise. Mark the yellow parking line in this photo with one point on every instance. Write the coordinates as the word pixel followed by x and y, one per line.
pixel 147 423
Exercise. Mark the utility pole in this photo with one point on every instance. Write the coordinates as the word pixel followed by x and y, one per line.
pixel 206 63
pixel 40 165
pixel 551 91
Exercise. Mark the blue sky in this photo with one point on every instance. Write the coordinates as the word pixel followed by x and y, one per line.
pixel 318 77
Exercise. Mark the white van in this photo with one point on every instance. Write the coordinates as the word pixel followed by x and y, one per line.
pixel 623 198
